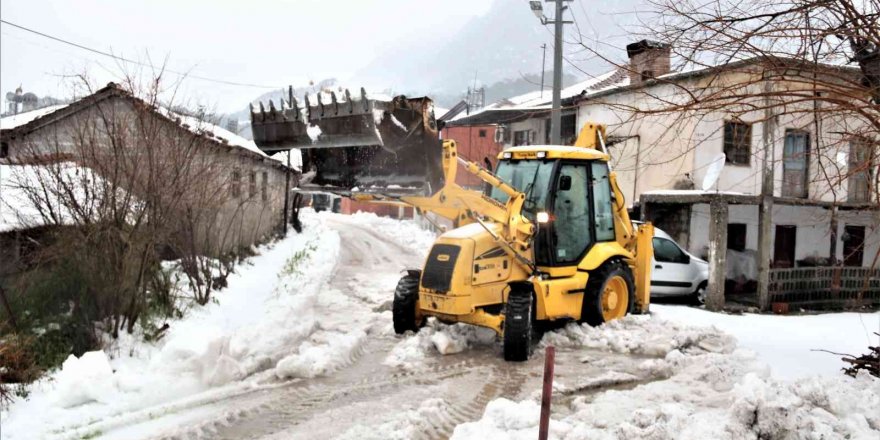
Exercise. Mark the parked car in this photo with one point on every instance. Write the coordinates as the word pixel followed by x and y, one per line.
pixel 676 272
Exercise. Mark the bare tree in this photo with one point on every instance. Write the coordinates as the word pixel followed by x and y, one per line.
pixel 125 180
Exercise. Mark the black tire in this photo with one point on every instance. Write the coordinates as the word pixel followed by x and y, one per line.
pixel 519 328
pixel 406 301
pixel 591 310
pixel 698 298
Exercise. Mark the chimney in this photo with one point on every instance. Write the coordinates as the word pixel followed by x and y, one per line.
pixel 647 59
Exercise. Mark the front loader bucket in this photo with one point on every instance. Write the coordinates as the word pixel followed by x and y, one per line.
pixel 357 144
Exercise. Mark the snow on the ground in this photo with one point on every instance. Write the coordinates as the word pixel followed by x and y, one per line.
pixel 437 337
pixel 406 233
pixel 265 315
pixel 708 388
pixel 788 342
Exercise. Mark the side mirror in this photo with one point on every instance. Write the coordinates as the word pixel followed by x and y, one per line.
pixel 686 259
pixel 564 183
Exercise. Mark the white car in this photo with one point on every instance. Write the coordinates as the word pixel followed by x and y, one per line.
pixel 675 271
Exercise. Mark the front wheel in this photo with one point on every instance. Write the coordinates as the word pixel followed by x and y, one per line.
pixel 610 293
pixel 699 296
pixel 404 309
pixel 519 326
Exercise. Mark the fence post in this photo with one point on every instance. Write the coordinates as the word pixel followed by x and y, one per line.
pixel 547 395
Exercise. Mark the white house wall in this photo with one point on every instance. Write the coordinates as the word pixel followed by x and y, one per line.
pixel 813 224
pixel 675 147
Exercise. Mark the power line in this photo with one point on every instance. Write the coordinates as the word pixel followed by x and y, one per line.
pixel 130 61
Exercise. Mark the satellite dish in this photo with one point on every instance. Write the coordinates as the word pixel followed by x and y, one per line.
pixel 713 171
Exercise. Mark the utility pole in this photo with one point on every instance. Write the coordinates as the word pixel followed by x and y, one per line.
pixel 543 65
pixel 558 22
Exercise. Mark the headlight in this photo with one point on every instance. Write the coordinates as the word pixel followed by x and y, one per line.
pixel 542 217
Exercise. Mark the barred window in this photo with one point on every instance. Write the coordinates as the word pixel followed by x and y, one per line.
pixel 264 188
pixel 235 185
pixel 252 185
pixel 738 142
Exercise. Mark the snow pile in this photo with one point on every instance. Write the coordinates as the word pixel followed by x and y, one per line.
pixel 266 313
pixel 85 379
pixel 437 337
pixel 406 233
pixel 706 387
pixel 321 354
pixel 788 343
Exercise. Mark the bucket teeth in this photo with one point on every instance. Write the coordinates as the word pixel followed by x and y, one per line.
pixel 334 102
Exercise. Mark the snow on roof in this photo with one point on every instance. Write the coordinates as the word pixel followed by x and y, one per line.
pixel 218 133
pixel 295 158
pixel 535 99
pixel 31 193
pixel 13 121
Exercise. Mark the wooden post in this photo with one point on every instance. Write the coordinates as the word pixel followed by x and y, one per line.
pixel 765 209
pixel 717 254
pixel 547 395
pixel 765 250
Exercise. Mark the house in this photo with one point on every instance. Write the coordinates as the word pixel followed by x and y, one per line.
pixel 820 239
pixel 195 171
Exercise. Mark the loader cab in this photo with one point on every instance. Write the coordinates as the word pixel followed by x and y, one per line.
pixel 568 196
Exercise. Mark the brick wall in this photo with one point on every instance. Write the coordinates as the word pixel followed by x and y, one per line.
pixel 474 143
pixel 648 58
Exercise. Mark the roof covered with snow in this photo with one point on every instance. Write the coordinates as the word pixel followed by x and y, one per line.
pixel 17 120
pixel 23 122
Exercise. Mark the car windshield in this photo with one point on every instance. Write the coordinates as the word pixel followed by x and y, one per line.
pixel 531 177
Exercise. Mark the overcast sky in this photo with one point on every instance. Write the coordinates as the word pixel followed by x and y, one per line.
pixel 264 42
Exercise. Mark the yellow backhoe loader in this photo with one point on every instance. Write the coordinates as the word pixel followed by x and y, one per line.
pixel 548 241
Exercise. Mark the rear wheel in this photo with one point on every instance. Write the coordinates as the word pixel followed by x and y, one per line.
pixel 610 293
pixel 404 309
pixel 519 326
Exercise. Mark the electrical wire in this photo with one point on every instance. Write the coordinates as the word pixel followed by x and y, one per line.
pixel 138 63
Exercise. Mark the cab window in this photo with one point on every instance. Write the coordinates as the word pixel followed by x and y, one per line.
pixel 571 212
pixel 602 203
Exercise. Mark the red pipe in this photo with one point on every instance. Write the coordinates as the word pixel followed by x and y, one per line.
pixel 547 395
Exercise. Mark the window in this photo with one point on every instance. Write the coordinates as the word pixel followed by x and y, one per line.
pixel 736 236
pixel 521 137
pixel 4 150
pixel 482 133
pixel 784 246
pixel 647 74
pixel 567 130
pixel 532 177
pixel 795 164
pixel 861 171
pixel 252 184
pixel 665 251
pixel 571 212
pixel 264 187
pixel 853 245
pixel 602 203
pixel 235 185
pixel 737 142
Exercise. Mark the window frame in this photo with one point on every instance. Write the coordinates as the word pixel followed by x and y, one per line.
pixel 730 146
pixel 685 257
pixel 264 187
pixel 866 176
pixel 252 184
pixel 806 159
pixel 235 185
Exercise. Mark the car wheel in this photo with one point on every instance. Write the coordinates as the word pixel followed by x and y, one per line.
pixel 699 295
